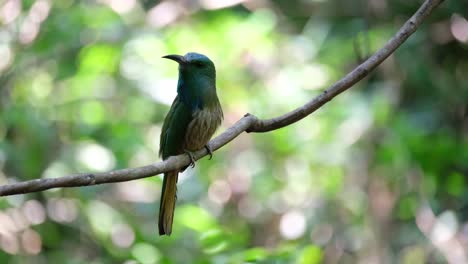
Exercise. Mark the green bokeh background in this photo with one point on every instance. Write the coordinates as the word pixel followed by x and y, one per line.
pixel 378 175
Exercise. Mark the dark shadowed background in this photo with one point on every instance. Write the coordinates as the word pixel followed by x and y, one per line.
pixel 378 175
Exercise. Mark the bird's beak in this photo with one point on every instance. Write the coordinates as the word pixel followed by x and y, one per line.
pixel 178 58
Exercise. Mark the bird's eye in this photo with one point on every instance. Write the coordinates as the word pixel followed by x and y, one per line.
pixel 199 64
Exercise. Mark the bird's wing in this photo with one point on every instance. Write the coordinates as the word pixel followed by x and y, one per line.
pixel 174 129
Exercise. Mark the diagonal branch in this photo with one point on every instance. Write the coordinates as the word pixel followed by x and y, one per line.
pixel 248 123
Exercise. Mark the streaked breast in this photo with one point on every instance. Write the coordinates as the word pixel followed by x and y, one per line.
pixel 202 127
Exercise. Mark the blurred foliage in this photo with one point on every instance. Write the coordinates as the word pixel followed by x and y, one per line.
pixel 378 175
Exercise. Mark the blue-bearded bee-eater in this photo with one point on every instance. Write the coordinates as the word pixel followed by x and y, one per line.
pixel 192 120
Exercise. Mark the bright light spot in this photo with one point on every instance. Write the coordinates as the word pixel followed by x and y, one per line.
pixel 95 157
pixel 218 4
pixel 102 217
pixel 28 31
pixel 183 176
pixel 18 218
pixel 10 11
pixel 39 11
pixel 291 77
pixel 146 253
pixel 295 193
pixel 297 170
pixel 163 14
pixel 142 157
pixel 144 53
pixel 62 210
pixel 459 28
pixel 297 190
pixel 120 6
pixel 445 227
pixel 302 48
pixel 31 241
pixel 41 85
pixel 239 180
pixel 252 160
pixel 247 164
pixel 425 219
pixel 56 169
pixel 34 212
pixel 292 225
pixel 122 235
pixel 9 244
pixel 163 90
pixel 219 192
pixel 317 74
pixel 7 56
pixel 131 67
pixel 141 62
pixel 352 129
pixel 137 192
pixel 7 225
pixel 152 137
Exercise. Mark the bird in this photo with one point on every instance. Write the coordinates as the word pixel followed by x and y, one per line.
pixel 193 118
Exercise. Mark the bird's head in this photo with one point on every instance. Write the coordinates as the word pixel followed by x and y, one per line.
pixel 194 64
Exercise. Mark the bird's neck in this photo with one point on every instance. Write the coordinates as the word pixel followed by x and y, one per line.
pixel 198 93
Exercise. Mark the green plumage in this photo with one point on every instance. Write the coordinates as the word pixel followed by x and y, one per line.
pixel 174 129
pixel 192 120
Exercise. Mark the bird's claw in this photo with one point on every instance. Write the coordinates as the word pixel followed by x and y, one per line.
pixel 192 159
pixel 210 152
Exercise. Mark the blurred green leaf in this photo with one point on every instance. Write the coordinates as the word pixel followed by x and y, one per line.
pixel 195 218
pixel 310 255
pixel 254 255
pixel 99 58
pixel 455 184
pixel 145 253
pixel 213 241
pixel 407 207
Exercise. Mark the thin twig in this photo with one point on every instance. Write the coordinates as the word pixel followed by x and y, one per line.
pixel 248 123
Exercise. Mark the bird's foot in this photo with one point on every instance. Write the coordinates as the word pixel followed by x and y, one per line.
pixel 210 152
pixel 192 159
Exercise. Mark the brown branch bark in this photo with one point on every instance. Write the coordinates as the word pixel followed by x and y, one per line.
pixel 248 123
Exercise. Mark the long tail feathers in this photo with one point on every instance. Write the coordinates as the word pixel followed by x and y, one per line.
pixel 167 204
